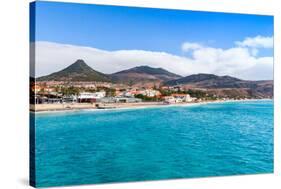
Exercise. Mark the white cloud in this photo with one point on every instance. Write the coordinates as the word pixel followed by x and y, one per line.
pixel 187 46
pixel 256 42
pixel 237 61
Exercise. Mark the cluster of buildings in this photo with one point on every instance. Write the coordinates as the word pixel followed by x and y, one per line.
pixel 131 92
pixel 178 98
pixel 50 86
pixel 48 93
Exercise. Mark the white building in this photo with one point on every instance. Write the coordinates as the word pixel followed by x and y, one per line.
pixel 183 97
pixel 90 97
pixel 178 98
pixel 188 98
pixel 151 93
pixel 127 99
pixel 169 99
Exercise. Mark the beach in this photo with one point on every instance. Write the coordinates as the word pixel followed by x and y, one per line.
pixel 85 106
pixel 79 106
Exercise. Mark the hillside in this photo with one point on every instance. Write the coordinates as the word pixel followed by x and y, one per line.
pixel 143 74
pixel 225 85
pixel 78 71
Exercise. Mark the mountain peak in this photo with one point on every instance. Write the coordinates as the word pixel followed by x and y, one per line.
pixel 144 74
pixel 78 71
pixel 148 70
pixel 79 61
pixel 79 64
pixel 144 67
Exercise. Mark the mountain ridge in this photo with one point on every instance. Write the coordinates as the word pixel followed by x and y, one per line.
pixel 213 81
pixel 225 84
pixel 143 74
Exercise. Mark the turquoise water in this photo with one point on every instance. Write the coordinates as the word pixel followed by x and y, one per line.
pixel 220 139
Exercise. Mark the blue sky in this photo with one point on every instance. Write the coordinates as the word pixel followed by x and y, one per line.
pixel 114 27
pixel 184 42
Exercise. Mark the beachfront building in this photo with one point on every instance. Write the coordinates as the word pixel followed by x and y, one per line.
pixel 119 100
pixel 125 94
pixel 40 99
pixel 69 99
pixel 54 100
pixel 169 99
pixel 47 100
pixel 183 97
pixel 108 100
pixel 127 100
pixel 151 93
pixel 90 97
pixel 178 98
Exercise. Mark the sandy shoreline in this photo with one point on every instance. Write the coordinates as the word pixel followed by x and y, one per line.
pixel 116 106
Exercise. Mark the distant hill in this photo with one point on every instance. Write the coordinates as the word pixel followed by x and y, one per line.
pixel 143 74
pixel 78 71
pixel 221 83
pixel 209 81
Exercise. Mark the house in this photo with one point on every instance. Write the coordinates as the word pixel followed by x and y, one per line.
pixel 100 94
pixel 169 99
pixel 178 98
pixel 108 100
pixel 54 101
pixel 183 97
pixel 129 93
pixel 177 88
pixel 91 97
pixel 69 99
pixel 127 100
pixel 149 92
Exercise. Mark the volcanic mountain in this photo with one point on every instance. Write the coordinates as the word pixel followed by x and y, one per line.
pixel 78 71
pixel 143 74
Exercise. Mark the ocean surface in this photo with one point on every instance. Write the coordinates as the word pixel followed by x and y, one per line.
pixel 88 147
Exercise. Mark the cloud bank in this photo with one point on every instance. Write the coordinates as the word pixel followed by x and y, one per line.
pixel 256 42
pixel 240 61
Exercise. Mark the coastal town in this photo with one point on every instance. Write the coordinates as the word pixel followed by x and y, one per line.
pixel 59 95
pixel 79 86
